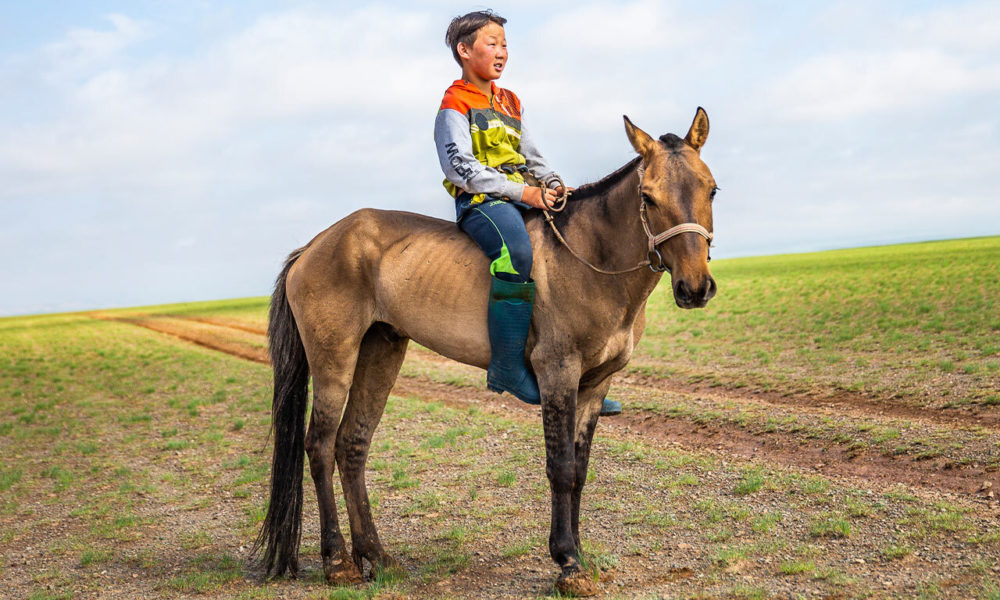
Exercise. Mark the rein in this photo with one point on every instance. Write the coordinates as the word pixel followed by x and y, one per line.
pixel 652 240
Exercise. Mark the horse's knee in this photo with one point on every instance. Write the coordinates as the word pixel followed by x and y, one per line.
pixel 561 478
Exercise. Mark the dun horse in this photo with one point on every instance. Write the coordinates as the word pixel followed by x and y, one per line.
pixel 346 305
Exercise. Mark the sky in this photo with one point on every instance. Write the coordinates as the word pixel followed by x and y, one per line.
pixel 155 152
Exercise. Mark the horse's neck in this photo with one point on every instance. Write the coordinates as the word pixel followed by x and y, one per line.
pixel 609 232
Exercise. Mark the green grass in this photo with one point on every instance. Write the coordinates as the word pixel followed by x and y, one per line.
pixel 830 525
pixel 908 311
pixel 9 478
pixel 991 591
pixel 506 478
pixel 728 556
pixel 750 592
pixel 520 548
pixel 765 522
pixel 895 552
pixel 210 572
pixel 796 567
pixel 751 482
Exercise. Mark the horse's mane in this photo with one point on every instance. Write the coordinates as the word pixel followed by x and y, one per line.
pixel 594 194
pixel 601 186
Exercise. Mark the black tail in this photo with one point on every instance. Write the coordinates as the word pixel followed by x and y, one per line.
pixel 281 531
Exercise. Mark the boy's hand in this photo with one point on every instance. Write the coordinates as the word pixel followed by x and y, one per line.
pixel 532 196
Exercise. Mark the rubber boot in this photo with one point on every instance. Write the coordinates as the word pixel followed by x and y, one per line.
pixel 509 318
pixel 610 408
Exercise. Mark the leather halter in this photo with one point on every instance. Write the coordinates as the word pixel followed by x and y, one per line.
pixel 652 240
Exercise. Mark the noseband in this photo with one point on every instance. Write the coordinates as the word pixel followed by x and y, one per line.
pixel 652 240
pixel 656 240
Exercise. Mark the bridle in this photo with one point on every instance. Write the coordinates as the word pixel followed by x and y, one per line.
pixel 652 240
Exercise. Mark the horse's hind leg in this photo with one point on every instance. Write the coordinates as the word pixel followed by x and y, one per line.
pixel 330 381
pixel 379 360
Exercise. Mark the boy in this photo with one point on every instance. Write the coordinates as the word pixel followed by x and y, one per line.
pixel 485 153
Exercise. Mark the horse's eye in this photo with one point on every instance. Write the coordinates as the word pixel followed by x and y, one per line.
pixel 647 199
pixel 715 189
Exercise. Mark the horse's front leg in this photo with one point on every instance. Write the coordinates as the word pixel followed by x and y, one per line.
pixel 588 409
pixel 558 386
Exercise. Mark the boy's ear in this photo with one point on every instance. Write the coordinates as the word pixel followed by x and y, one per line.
pixel 641 141
pixel 463 50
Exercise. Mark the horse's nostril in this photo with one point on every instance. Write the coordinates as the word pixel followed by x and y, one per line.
pixel 683 292
pixel 710 289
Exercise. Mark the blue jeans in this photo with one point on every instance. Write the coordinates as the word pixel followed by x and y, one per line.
pixel 497 227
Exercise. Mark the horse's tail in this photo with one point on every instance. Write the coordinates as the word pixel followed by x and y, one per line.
pixel 281 530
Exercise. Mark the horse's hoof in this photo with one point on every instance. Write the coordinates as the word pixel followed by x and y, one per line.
pixel 342 571
pixel 388 563
pixel 579 584
pixel 378 560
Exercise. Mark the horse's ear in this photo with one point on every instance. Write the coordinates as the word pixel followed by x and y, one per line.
pixel 641 141
pixel 699 130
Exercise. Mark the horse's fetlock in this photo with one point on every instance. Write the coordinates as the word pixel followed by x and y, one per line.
pixel 561 480
pixel 564 554
pixel 571 567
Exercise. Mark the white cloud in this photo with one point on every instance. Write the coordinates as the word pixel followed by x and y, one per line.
pixel 161 121
pixel 853 83
pixel 82 48
pixel 886 62
pixel 617 31
pixel 971 27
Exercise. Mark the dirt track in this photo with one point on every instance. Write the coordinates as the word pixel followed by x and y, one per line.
pixel 875 469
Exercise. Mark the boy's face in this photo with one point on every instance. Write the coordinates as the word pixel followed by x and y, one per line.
pixel 488 55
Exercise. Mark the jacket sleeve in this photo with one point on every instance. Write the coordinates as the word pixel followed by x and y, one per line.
pixel 534 160
pixel 454 148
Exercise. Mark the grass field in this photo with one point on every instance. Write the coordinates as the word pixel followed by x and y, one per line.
pixel 920 321
pixel 134 463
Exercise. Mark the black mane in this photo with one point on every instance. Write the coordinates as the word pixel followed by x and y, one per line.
pixel 600 187
pixel 595 195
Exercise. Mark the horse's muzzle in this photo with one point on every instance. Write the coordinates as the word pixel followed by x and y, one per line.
pixel 688 297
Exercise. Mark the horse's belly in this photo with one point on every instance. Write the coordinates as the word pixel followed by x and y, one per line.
pixel 435 292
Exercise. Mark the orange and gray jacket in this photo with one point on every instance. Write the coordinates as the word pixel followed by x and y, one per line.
pixel 476 135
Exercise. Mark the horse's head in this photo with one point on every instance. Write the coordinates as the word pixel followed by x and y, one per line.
pixel 677 189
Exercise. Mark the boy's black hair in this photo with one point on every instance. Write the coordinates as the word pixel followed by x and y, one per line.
pixel 463 29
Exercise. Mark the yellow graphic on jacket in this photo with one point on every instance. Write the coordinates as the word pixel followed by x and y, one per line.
pixel 495 127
